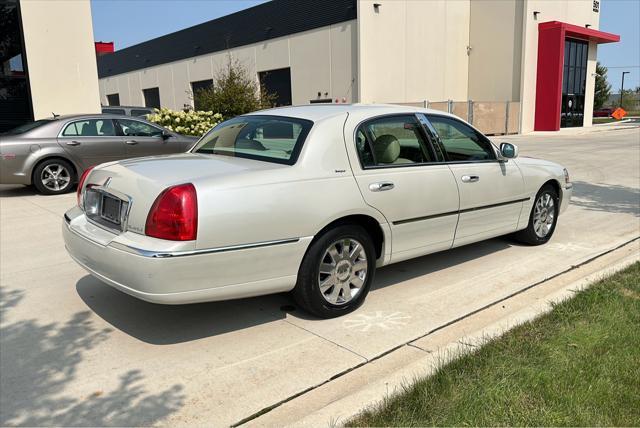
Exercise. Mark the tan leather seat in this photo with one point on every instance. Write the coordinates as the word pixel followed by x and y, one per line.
pixel 387 150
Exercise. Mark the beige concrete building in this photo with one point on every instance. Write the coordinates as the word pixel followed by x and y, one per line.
pixel 384 51
pixel 48 65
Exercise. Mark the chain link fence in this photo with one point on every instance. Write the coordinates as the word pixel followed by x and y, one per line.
pixel 490 117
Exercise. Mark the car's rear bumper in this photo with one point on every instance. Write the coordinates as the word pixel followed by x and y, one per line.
pixel 160 277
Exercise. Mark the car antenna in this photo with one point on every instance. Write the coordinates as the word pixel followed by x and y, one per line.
pixel 55 115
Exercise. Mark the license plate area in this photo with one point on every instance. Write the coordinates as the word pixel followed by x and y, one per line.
pixel 106 209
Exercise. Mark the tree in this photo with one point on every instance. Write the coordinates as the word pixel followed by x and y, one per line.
pixel 234 92
pixel 603 88
pixel 629 100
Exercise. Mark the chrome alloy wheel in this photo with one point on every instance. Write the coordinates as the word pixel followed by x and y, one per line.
pixel 343 271
pixel 55 177
pixel 544 215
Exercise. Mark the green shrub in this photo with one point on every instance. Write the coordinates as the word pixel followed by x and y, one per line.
pixel 234 92
pixel 189 122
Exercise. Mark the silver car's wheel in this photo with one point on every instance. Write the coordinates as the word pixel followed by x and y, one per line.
pixel 55 177
pixel 343 271
pixel 544 215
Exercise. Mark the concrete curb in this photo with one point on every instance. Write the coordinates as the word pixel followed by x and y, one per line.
pixel 341 399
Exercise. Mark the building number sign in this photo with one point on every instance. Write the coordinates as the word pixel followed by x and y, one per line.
pixel 596 5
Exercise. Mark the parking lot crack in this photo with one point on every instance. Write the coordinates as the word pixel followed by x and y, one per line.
pixel 366 360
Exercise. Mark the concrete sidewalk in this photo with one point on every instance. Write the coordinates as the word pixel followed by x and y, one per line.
pixel 74 351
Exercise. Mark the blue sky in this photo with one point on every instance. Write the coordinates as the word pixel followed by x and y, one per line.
pixel 127 22
pixel 621 17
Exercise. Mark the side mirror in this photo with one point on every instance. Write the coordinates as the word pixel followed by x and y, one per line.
pixel 166 135
pixel 508 150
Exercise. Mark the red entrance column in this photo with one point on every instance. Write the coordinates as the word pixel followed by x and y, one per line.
pixel 551 36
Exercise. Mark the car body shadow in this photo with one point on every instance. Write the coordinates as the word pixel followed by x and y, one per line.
pixel 171 324
pixel 611 198
pixel 17 190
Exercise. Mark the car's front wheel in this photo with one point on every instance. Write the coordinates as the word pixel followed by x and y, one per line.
pixel 54 177
pixel 336 273
pixel 543 217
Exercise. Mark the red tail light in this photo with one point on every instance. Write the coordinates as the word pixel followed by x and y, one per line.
pixel 83 177
pixel 174 214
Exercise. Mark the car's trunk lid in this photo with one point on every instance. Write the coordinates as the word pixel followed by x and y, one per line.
pixel 141 180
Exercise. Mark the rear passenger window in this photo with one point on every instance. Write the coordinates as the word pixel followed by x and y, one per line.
pixel 392 141
pixel 460 141
pixel 90 128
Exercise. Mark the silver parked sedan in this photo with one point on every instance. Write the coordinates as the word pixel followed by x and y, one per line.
pixel 52 153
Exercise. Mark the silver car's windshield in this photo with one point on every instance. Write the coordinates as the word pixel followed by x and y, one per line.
pixel 27 127
pixel 268 138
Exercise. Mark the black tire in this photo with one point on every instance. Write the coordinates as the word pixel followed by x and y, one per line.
pixel 307 293
pixel 529 235
pixel 47 187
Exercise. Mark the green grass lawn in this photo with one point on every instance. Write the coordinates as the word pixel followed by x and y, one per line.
pixel 579 365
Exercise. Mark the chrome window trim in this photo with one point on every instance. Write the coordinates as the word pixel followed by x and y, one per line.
pixel 168 254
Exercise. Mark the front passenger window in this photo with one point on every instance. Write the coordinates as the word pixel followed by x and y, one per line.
pixel 135 128
pixel 460 141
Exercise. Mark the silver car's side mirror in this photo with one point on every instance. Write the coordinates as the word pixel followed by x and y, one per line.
pixel 508 150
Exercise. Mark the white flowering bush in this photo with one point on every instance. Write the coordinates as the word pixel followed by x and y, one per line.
pixel 190 122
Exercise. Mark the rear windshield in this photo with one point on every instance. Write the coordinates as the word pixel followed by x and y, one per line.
pixel 276 139
pixel 135 112
pixel 113 111
pixel 27 127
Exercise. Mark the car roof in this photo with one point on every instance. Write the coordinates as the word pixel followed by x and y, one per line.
pixel 68 117
pixel 317 112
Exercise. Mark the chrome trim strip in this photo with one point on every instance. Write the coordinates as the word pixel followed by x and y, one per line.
pixel 466 210
pixel 168 254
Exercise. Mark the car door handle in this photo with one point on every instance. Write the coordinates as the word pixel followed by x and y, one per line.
pixel 381 187
pixel 73 143
pixel 470 178
pixel 131 142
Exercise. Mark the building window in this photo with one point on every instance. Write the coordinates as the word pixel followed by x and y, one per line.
pixel 197 88
pixel 15 100
pixel 113 99
pixel 151 97
pixel 278 83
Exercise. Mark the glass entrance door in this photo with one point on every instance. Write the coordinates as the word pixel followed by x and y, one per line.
pixel 573 82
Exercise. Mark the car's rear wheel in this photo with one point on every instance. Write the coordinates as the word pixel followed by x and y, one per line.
pixel 543 217
pixel 54 177
pixel 336 273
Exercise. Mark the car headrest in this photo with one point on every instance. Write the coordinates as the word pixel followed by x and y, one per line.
pixel 89 129
pixel 386 148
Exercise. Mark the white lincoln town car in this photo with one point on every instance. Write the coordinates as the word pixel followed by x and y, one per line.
pixel 308 199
